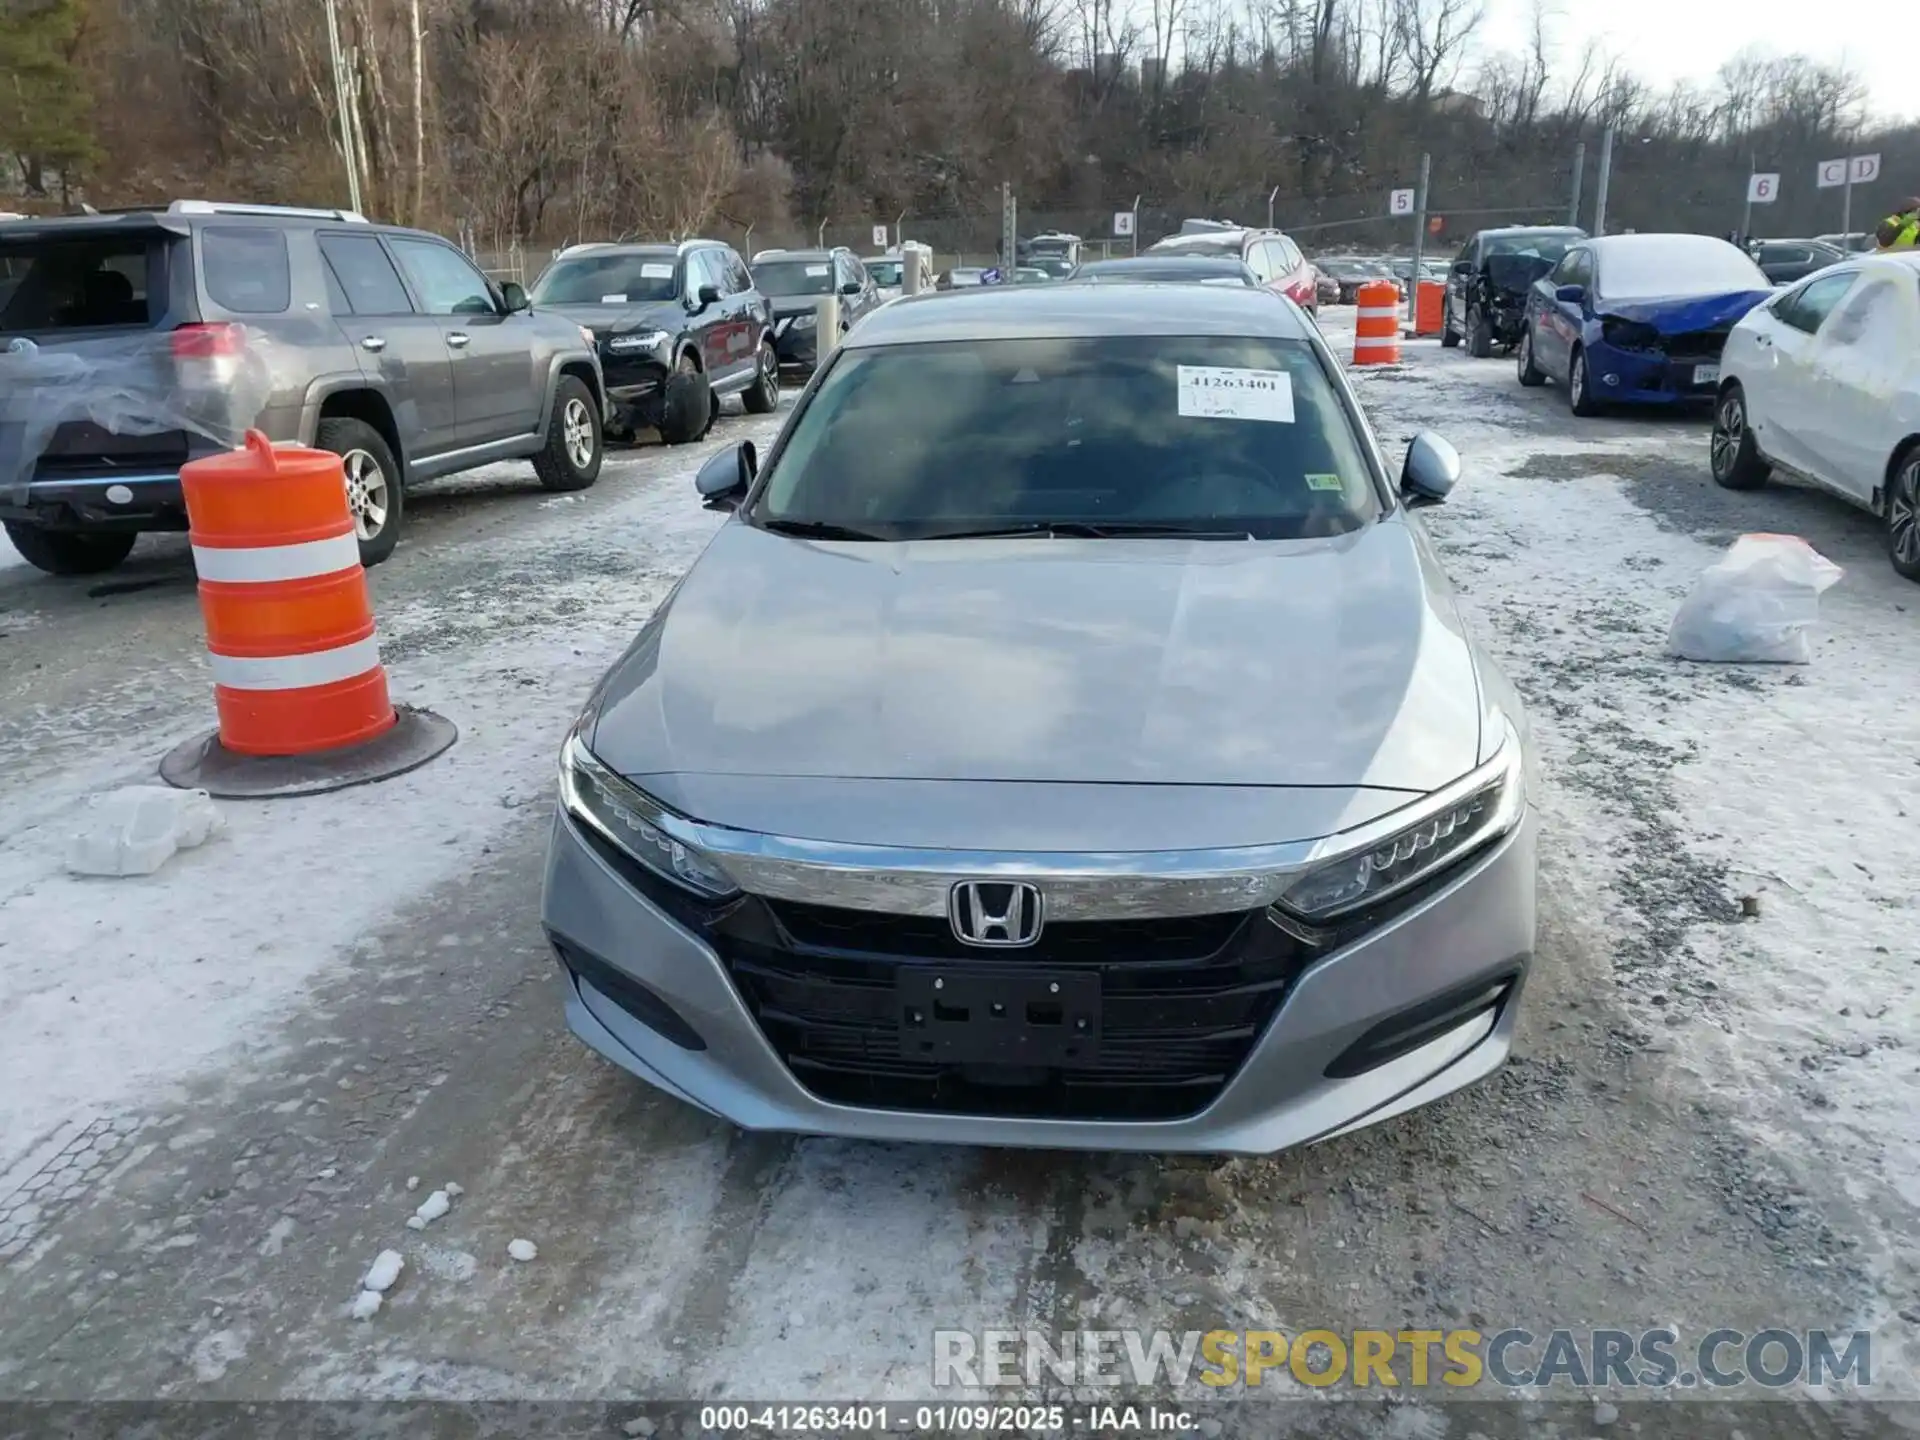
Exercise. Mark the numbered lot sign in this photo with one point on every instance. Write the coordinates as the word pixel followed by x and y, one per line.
pixel 1763 189
pixel 1400 202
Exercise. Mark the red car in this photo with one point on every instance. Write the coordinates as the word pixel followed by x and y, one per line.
pixel 1271 255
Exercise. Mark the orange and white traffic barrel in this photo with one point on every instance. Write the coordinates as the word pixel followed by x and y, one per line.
pixel 1376 326
pixel 1429 302
pixel 290 633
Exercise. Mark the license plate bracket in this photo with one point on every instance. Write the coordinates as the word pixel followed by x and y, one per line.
pixel 961 1015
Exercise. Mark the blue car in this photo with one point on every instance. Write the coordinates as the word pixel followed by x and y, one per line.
pixel 1637 319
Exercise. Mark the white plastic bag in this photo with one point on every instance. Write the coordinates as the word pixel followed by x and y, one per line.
pixel 135 831
pixel 1755 603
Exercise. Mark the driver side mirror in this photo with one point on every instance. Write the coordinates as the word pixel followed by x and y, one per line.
pixel 1463 267
pixel 852 287
pixel 1431 470
pixel 706 295
pixel 515 297
pixel 1570 294
pixel 724 480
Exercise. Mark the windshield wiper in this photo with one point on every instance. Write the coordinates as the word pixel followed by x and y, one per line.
pixel 818 530
pixel 1091 530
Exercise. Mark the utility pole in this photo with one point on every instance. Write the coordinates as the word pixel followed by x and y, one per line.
pixel 1009 231
pixel 1579 178
pixel 1846 195
pixel 820 236
pixel 1270 198
pixel 899 234
pixel 1134 239
pixel 343 101
pixel 419 122
pixel 1600 184
pixel 1419 241
pixel 1746 215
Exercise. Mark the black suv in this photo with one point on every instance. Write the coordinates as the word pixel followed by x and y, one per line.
pixel 1486 300
pixel 130 342
pixel 794 280
pixel 677 326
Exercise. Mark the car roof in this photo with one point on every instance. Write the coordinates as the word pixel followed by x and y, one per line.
pixel 1166 260
pixel 814 254
pixel 1574 230
pixel 1076 311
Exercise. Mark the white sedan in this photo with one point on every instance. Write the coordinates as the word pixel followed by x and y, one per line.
pixel 1823 382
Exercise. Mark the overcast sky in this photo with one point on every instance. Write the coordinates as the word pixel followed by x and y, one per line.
pixel 1667 40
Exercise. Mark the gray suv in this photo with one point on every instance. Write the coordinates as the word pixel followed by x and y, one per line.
pixel 384 345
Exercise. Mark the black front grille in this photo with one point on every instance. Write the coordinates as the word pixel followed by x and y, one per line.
pixel 1697 347
pixel 1182 1002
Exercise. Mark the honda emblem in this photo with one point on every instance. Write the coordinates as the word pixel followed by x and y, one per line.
pixel 995 913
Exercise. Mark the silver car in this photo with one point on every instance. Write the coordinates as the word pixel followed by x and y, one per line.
pixel 1069 740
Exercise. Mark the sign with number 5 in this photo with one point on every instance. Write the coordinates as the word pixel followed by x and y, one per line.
pixel 1762 189
pixel 1400 202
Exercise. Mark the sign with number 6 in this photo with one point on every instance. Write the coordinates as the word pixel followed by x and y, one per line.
pixel 1762 189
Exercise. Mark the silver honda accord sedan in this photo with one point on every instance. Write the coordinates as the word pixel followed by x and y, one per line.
pixel 1069 739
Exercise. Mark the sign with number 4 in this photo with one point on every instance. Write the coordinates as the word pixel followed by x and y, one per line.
pixel 1763 189
pixel 1123 222
pixel 1400 202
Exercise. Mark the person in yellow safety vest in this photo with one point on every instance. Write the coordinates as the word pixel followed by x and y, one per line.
pixel 1900 230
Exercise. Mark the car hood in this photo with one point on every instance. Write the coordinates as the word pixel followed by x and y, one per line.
pixel 668 315
pixel 1682 314
pixel 796 304
pixel 1334 662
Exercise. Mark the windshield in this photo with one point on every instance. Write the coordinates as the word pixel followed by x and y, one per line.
pixel 1055 265
pixel 1218 435
pixel 1664 265
pixel 884 272
pixel 606 280
pixel 1184 246
pixel 793 277
pixel 1545 247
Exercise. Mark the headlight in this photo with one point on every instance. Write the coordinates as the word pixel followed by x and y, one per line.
pixel 802 322
pixel 643 340
pixel 1470 813
pixel 595 796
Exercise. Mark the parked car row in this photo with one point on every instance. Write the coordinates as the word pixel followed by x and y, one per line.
pixel 1816 378
pixel 123 333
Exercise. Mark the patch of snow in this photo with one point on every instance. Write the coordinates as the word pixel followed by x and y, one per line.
pixel 1605 1413
pixel 431 1209
pixel 454 1189
pixel 213 1355
pixel 457 1266
pixel 365 1305
pixel 413 1182
pixel 523 1250
pixel 277 1236
pixel 9 555
pixel 384 1271
pixel 640 1425
pixel 137 830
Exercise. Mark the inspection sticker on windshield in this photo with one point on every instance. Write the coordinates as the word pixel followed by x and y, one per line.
pixel 1325 482
pixel 613 299
pixel 656 272
pixel 1215 392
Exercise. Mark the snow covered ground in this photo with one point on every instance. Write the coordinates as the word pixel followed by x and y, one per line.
pixel 228 1085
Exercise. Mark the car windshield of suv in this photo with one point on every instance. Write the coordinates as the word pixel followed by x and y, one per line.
pixel 1671 265
pixel 606 280
pixel 74 284
pixel 793 277
pixel 1545 247
pixel 1221 437
pixel 885 273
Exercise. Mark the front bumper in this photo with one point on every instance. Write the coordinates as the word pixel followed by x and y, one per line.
pixel 134 500
pixel 799 348
pixel 1650 377
pixel 636 390
pixel 1475 930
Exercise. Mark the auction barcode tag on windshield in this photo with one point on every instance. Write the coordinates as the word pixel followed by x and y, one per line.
pixel 1215 392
